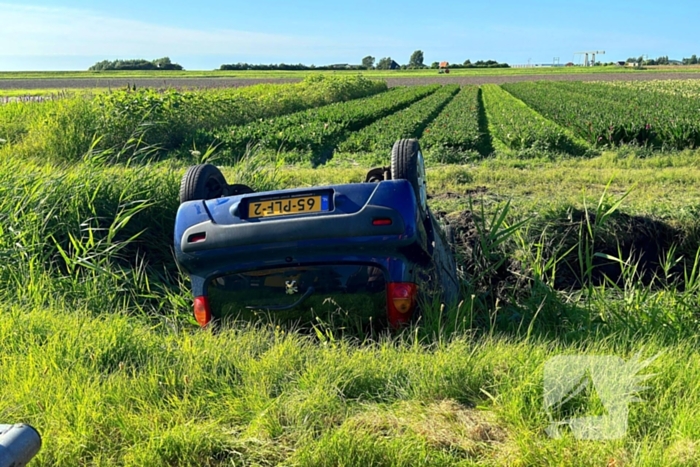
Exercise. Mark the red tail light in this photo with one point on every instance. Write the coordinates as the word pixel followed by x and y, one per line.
pixel 381 221
pixel 196 238
pixel 400 302
pixel 202 312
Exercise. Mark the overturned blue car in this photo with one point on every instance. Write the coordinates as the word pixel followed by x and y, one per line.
pixel 372 247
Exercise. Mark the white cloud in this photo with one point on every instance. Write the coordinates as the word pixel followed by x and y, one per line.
pixel 40 31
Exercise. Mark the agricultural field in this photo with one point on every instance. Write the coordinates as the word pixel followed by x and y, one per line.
pixel 606 115
pixel 319 130
pixel 514 126
pixel 686 88
pixel 27 83
pixel 293 74
pixel 575 207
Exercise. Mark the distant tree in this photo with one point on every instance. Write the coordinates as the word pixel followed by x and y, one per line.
pixel 416 60
pixel 165 64
pixel 435 65
pixel 368 62
pixel 99 66
pixel 384 63
pixel 467 62
pixel 136 64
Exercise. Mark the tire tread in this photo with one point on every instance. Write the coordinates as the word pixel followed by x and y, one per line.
pixel 193 184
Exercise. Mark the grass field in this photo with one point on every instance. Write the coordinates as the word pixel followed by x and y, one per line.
pixel 47 92
pixel 560 253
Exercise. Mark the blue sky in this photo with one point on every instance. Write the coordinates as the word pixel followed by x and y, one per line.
pixel 201 35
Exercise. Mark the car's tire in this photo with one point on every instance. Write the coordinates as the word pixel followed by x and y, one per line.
pixel 202 181
pixel 407 163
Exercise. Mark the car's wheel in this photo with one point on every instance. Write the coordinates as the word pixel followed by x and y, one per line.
pixel 203 181
pixel 407 163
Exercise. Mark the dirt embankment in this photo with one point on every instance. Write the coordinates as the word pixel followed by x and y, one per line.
pixel 644 242
pixel 114 83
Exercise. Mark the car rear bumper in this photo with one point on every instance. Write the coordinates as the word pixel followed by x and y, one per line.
pixel 210 236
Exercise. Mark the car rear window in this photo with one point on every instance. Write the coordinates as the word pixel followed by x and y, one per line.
pixel 357 290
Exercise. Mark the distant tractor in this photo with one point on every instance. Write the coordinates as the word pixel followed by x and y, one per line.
pixel 444 68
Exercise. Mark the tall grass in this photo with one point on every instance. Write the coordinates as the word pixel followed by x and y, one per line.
pixel 99 352
pixel 114 391
pixel 165 120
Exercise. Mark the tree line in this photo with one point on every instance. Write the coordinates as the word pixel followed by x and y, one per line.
pixel 416 61
pixel 664 60
pixel 136 64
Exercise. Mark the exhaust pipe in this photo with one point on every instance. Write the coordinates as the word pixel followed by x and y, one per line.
pixel 18 445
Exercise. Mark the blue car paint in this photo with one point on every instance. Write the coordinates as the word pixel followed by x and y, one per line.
pixel 346 200
pixel 384 251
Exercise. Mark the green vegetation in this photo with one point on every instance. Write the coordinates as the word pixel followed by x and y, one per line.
pixel 408 123
pixel 110 390
pixel 9 95
pixel 138 64
pixel 559 255
pixel 101 356
pixel 516 127
pixel 459 125
pixel 609 115
pixel 469 65
pixel 318 130
pixel 146 123
pixel 687 87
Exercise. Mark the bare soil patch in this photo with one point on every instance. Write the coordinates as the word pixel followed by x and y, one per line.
pixel 188 83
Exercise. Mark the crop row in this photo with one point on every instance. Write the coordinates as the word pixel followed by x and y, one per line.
pixel 407 123
pixel 606 115
pixel 457 126
pixel 664 120
pixel 686 88
pixel 517 127
pixel 319 129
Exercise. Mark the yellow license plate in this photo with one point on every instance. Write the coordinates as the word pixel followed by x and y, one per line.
pixel 284 207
